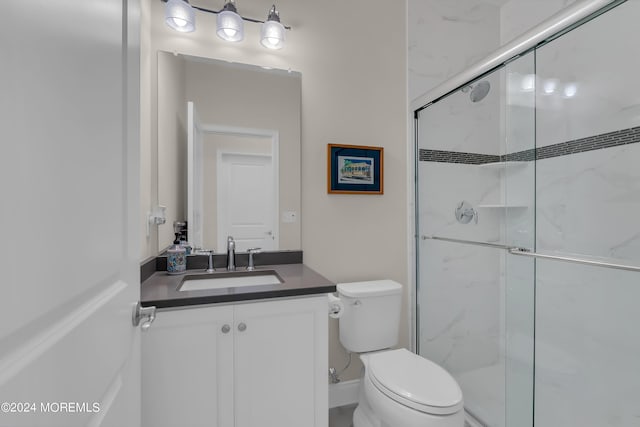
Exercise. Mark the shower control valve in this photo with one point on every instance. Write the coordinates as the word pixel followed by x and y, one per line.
pixel 465 213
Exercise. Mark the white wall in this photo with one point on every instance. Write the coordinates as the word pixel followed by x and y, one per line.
pixel 354 91
pixel 148 150
pixel 172 144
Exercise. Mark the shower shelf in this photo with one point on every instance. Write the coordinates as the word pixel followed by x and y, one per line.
pixel 503 206
pixel 502 165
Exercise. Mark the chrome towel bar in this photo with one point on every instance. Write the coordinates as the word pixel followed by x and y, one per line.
pixel 513 250
pixel 471 242
pixel 517 251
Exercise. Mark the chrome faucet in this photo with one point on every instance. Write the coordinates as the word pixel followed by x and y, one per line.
pixel 231 254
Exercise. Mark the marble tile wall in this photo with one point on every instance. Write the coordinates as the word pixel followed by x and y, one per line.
pixel 587 346
pixel 585 79
pixel 462 299
pixel 517 16
pixel 458 124
pixel 459 304
pixel 446 37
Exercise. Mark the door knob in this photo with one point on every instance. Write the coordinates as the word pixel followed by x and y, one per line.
pixel 140 312
pixel 226 329
pixel 242 327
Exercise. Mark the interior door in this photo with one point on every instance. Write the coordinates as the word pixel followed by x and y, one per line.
pixel 69 355
pixel 246 201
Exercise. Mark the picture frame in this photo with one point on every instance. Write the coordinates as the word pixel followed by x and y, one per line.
pixel 355 169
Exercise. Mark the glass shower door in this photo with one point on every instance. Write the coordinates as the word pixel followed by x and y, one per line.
pixel 475 197
pixel 588 200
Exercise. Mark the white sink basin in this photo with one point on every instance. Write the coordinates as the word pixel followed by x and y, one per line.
pixel 230 280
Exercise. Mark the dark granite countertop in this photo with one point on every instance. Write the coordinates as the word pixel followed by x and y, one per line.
pixel 161 289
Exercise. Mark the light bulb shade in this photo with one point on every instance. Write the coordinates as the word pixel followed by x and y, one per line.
pixel 272 35
pixel 230 26
pixel 179 15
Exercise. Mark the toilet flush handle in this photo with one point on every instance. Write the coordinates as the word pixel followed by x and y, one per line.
pixel 357 303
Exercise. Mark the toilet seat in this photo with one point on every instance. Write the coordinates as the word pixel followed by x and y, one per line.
pixel 414 382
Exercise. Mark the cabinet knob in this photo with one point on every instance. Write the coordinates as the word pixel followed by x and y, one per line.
pixel 226 329
pixel 242 327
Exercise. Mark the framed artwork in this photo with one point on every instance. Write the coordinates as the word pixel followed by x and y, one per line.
pixel 354 169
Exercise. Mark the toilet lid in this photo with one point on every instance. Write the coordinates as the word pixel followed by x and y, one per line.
pixel 415 382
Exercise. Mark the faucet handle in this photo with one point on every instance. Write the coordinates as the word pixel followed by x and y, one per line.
pixel 252 251
pixel 210 268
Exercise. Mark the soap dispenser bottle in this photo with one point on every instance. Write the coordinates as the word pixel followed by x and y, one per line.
pixel 176 257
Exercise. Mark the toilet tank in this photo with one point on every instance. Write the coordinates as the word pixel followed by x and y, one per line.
pixel 371 318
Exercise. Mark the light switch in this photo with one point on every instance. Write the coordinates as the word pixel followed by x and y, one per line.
pixel 289 217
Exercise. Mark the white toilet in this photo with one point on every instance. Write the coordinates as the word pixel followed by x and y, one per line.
pixel 399 388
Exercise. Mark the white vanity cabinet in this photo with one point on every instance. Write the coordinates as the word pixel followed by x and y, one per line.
pixel 254 364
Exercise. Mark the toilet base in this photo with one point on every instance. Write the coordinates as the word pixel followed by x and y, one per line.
pixel 377 410
pixel 361 420
pixel 364 416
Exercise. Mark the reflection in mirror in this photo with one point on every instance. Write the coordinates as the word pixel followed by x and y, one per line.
pixel 229 152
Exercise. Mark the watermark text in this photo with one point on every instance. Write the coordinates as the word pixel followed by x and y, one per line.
pixel 49 407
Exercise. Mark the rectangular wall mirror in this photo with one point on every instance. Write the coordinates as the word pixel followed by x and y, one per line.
pixel 229 153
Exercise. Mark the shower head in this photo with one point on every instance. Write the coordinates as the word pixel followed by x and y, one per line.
pixel 478 91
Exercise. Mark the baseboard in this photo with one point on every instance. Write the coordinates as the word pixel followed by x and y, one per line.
pixel 343 393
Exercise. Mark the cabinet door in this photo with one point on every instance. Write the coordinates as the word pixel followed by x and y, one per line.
pixel 187 369
pixel 281 363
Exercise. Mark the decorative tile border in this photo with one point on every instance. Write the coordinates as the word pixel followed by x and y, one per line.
pixel 598 142
pixel 520 156
pixel 456 157
pixel 591 143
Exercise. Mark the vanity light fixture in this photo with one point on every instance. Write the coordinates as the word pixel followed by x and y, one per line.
pixel 570 90
pixel 550 86
pixel 180 16
pixel 272 33
pixel 528 83
pixel 229 25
